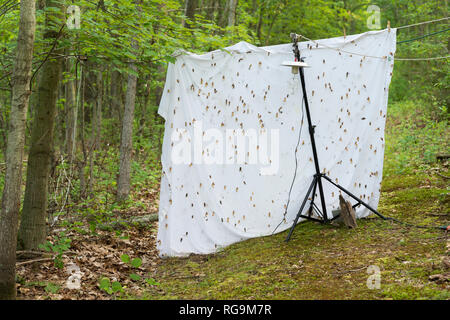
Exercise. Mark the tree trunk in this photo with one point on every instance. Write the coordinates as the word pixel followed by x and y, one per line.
pixel 116 93
pixel 96 129
pixel 4 123
pixel 191 6
pixel 14 150
pixel 260 22
pixel 223 14
pixel 71 113
pixel 145 114
pixel 269 31
pixel 126 142
pixel 33 231
pixel 212 5
pixel 232 12
pixel 81 164
pixel 98 109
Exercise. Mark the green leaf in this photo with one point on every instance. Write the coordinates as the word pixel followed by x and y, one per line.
pixel 104 283
pixel 116 286
pixel 52 288
pixel 135 277
pixel 46 246
pixel 125 258
pixel 170 59
pixel 136 262
pixel 152 282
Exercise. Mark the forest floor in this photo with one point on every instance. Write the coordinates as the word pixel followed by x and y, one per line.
pixel 320 261
pixel 327 262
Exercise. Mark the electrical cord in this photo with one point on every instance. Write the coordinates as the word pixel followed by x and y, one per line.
pixel 445 228
pixel 421 23
pixel 424 36
pixel 295 171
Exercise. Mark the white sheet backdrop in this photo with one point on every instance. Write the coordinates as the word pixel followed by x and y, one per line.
pixel 204 207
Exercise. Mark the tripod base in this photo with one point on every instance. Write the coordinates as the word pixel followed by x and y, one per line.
pixel 323 218
pixel 317 180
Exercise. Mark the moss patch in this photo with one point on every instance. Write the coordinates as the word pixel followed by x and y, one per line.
pixel 325 262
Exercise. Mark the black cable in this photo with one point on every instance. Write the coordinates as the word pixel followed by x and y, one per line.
pixel 295 172
pixel 424 36
pixel 418 226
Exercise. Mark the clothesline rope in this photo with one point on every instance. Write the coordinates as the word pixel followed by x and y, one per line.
pixel 385 57
pixel 421 23
pixel 340 50
pixel 375 57
pixel 422 59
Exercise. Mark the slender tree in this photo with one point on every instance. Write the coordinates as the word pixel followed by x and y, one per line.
pixel 232 12
pixel 14 150
pixel 126 142
pixel 33 231
pixel 97 130
pixel 71 112
pixel 116 94
pixel 189 10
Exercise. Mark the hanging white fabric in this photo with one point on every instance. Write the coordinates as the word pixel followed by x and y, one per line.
pixel 233 119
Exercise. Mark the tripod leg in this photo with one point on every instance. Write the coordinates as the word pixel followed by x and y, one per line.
pixel 313 183
pixel 313 194
pixel 356 198
pixel 322 199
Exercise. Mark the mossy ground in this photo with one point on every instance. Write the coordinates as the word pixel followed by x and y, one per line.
pixel 329 262
pixel 320 261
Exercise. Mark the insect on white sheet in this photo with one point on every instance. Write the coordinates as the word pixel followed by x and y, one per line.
pixel 206 205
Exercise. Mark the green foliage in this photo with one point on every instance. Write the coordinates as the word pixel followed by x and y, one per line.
pixel 152 282
pixel 427 81
pixel 136 262
pixel 135 277
pixel 52 288
pixel 109 287
pixel 414 137
pixel 48 287
pixel 59 245
pixel 125 258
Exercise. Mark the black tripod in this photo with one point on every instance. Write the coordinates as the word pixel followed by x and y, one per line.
pixel 317 179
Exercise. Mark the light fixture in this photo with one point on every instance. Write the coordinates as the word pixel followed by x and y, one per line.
pixel 295 65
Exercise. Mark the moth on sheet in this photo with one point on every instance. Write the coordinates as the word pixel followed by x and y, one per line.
pixel 241 113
